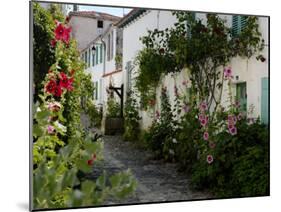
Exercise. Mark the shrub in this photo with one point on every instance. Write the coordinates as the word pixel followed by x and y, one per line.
pixel 113 108
pixel 132 128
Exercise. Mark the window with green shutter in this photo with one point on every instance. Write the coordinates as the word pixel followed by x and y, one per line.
pixel 101 53
pixel 238 24
pixel 96 88
pixel 241 95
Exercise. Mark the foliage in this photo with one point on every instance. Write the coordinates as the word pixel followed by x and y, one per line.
pixel 113 108
pixel 132 128
pixel 95 114
pixel 62 149
pixel 203 48
pixel 43 54
pixel 162 132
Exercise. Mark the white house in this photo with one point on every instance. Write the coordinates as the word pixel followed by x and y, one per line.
pixel 101 56
pixel 88 25
pixel 250 76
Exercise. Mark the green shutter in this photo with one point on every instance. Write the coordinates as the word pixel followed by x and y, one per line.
pixel 89 57
pixel 97 55
pixel 235 25
pixel 101 53
pixel 239 22
pixel 86 57
pixel 264 100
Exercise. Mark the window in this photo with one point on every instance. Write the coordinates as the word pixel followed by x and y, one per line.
pixel 100 24
pixel 238 24
pixel 241 95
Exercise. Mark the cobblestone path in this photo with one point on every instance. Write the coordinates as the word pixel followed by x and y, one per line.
pixel 156 181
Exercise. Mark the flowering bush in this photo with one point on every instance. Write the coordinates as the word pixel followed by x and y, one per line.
pixel 61 148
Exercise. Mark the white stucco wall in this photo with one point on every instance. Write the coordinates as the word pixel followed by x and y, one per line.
pixel 250 71
pixel 84 30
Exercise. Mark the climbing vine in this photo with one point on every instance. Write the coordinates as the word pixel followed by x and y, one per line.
pixel 202 48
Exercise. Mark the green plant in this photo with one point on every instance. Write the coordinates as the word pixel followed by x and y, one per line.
pixel 113 108
pixel 61 147
pixel 202 48
pixel 118 61
pixel 132 128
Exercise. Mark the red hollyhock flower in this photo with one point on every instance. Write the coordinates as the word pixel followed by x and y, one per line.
pixel 90 162
pixel 53 43
pixel 62 33
pixel 51 86
pixel 58 91
pixel 59 32
pixel 65 82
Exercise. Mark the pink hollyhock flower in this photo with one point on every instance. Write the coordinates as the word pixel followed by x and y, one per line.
pixel 206 136
pixel 50 129
pixel 204 122
pixel 212 145
pixel 210 159
pixel 232 119
pixel 232 130
pixel 53 43
pixel 157 115
pixel 203 106
pixel 227 73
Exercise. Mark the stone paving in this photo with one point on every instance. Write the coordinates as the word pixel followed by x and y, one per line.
pixel 157 181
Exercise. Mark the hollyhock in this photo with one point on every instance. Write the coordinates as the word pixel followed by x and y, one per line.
pixel 157 114
pixel 227 73
pixel 50 129
pixel 51 86
pixel 210 159
pixel 58 91
pixel 204 122
pixel 53 43
pixel 231 119
pixel 54 106
pixel 203 106
pixel 66 82
pixel 151 102
pixel 232 130
pixel 62 33
pixel 206 136
pixel 90 162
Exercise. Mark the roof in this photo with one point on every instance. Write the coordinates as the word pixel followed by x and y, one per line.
pixel 132 15
pixel 95 15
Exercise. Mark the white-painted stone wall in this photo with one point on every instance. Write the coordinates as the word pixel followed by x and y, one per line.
pixel 250 71
pixel 85 30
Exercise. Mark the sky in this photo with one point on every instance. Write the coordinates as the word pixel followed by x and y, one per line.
pixel 117 11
